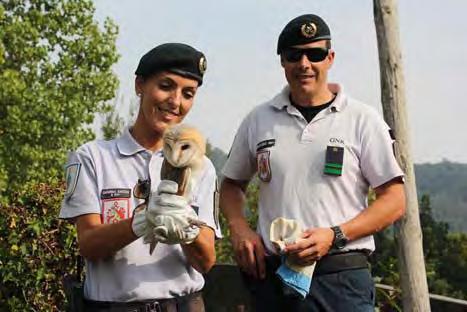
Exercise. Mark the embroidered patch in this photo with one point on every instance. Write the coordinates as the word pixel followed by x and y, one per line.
pixel 115 210
pixel 71 178
pixel 263 165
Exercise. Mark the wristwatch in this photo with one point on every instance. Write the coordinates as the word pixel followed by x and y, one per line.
pixel 340 240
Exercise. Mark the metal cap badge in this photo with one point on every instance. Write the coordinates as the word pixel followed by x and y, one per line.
pixel 308 30
pixel 202 65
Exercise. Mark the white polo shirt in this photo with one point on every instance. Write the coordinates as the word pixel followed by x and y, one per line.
pixel 289 154
pixel 101 176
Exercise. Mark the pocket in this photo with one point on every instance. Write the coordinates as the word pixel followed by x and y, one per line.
pixel 357 287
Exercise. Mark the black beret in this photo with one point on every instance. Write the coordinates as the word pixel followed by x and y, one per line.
pixel 177 58
pixel 301 30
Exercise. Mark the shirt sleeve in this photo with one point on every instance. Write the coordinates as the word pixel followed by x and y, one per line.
pixel 207 198
pixel 241 162
pixel 377 161
pixel 81 195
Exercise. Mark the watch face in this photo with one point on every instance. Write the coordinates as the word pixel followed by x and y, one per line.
pixel 340 243
pixel 339 238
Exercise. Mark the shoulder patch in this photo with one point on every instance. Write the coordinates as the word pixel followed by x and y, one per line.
pixel 71 178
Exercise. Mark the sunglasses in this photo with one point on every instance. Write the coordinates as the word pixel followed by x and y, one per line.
pixel 313 54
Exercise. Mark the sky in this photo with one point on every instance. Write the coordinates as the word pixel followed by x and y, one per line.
pixel 239 39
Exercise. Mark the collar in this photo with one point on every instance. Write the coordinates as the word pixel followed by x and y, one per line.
pixel 282 99
pixel 127 145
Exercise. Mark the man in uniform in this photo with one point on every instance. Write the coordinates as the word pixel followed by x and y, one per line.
pixel 121 274
pixel 316 152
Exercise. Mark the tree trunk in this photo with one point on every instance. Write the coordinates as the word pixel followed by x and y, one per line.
pixel 408 232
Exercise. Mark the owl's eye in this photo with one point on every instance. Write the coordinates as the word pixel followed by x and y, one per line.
pixel 185 147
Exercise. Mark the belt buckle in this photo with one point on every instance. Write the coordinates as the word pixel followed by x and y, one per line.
pixel 153 307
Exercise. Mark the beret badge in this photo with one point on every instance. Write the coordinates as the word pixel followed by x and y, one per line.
pixel 308 30
pixel 202 65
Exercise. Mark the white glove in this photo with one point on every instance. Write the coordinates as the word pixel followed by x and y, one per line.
pixel 139 223
pixel 172 220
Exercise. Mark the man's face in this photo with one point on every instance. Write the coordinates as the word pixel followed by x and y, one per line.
pixel 166 99
pixel 305 76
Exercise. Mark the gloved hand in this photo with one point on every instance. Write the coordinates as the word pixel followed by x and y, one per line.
pixel 171 219
pixel 139 223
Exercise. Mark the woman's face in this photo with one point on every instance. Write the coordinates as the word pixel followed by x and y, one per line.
pixel 166 99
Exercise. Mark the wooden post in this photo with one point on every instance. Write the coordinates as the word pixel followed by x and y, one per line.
pixel 408 232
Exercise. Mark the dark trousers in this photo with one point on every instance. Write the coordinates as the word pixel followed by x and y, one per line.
pixel 347 290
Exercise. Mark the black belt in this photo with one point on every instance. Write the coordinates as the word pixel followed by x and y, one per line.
pixel 152 305
pixel 331 263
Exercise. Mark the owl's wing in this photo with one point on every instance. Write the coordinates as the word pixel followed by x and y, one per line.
pixel 179 175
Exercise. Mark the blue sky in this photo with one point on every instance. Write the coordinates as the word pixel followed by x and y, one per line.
pixel 239 39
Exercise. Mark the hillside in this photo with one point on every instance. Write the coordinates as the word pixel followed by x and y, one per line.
pixel 446 183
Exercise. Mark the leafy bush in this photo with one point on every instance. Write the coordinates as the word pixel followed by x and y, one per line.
pixel 36 249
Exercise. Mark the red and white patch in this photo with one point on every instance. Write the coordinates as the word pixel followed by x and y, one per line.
pixel 115 210
pixel 263 165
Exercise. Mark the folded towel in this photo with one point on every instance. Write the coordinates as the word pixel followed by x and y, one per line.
pixel 298 278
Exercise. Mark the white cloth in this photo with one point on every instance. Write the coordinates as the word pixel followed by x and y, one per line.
pixel 282 233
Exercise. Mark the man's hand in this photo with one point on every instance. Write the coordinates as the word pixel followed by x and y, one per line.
pixel 249 251
pixel 313 244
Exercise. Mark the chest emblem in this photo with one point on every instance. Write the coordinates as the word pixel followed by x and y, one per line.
pixel 115 210
pixel 115 205
pixel 263 165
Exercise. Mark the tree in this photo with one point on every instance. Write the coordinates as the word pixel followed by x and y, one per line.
pixel 55 75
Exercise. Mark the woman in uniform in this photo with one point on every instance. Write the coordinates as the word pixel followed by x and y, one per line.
pixel 121 274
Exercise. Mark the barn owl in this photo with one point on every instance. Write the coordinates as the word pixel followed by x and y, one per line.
pixel 183 148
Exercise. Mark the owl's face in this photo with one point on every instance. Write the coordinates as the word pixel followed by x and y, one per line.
pixel 181 153
pixel 183 146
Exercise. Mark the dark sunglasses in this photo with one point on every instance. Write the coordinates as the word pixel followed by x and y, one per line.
pixel 313 54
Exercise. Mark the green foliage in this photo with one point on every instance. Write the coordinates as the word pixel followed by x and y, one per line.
pixel 55 74
pixel 224 251
pixel 113 125
pixel 36 249
pixel 445 258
